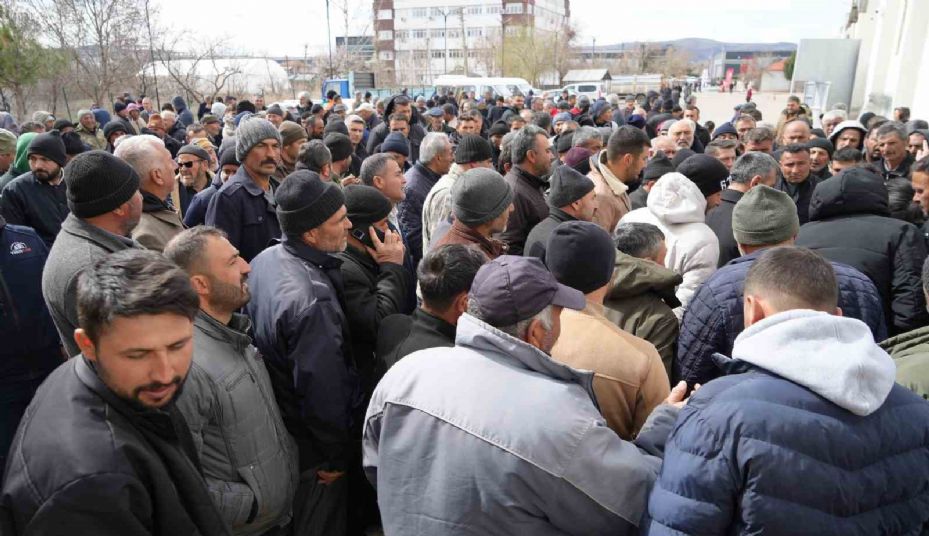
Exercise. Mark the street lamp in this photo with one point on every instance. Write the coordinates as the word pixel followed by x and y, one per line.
pixel 445 13
pixel 329 33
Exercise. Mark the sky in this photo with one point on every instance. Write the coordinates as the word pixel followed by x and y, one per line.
pixel 287 27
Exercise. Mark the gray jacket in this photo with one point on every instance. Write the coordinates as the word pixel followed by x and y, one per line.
pixel 249 460
pixel 495 437
pixel 78 245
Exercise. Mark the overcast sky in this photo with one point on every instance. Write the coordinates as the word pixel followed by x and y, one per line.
pixel 279 27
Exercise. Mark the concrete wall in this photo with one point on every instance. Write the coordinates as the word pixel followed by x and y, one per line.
pixel 828 60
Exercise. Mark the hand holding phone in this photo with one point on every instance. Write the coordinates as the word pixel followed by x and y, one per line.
pixel 390 249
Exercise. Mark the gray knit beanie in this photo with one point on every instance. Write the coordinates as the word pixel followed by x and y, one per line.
pixel 480 195
pixel 568 185
pixel 250 133
pixel 764 216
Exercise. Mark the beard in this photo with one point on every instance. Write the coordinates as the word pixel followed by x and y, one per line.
pixel 44 176
pixel 226 297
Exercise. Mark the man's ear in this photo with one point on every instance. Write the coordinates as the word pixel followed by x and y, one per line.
pixel 756 180
pixel 85 344
pixel 535 335
pixel 201 284
pixel 461 304
pixel 838 312
pixel 752 310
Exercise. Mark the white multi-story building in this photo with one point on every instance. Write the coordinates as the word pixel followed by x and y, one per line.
pixel 418 40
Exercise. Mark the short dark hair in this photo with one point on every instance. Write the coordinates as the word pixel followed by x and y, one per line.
pixel 626 140
pixel 542 120
pixel 793 278
pixel 900 194
pixel 313 155
pixel 718 144
pixel 892 127
pixel 638 240
pixel 186 249
pixel 130 283
pixel 692 108
pixel 523 142
pixel 794 148
pixel 398 117
pixel 904 112
pixel 372 166
pixel 793 98
pixel 447 271
pixel 848 154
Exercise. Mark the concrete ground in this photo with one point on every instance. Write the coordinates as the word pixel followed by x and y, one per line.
pixel 718 107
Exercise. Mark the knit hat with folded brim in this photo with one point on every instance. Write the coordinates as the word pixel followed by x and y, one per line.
pixel 764 216
pixel 479 195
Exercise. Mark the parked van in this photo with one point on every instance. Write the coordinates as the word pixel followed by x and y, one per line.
pixel 593 90
pixel 506 87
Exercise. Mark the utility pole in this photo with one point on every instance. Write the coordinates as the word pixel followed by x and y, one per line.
pixel 151 52
pixel 329 33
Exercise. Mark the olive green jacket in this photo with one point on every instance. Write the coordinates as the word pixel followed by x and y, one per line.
pixel 910 351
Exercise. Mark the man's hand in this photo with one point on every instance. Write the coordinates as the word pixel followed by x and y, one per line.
pixel 349 180
pixel 390 250
pixel 920 154
pixel 678 397
pixel 328 477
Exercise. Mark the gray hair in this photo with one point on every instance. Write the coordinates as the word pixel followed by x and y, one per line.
pixel 640 240
pixel 354 119
pixel 313 155
pixel 834 114
pixel 520 329
pixel 682 122
pixel 506 148
pixel 523 142
pixel 432 146
pixel 584 135
pixel 892 127
pixel 168 113
pixel 187 249
pixel 751 165
pixel 758 135
pixel 715 146
pixel 373 165
pixel 139 152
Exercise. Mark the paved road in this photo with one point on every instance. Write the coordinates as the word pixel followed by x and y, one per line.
pixel 718 107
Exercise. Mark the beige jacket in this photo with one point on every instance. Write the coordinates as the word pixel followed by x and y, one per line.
pixel 612 194
pixel 629 377
pixel 155 229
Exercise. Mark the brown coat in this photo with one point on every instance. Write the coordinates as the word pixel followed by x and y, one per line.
pixel 459 233
pixel 612 198
pixel 156 228
pixel 629 378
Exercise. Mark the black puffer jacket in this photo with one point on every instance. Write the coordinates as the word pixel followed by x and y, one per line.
pixel 379 133
pixel 850 223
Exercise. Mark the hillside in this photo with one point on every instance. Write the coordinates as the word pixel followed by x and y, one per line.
pixel 702 49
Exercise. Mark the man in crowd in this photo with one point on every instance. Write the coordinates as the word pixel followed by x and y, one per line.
pixel 910 351
pixel 472 152
pixel 398 104
pixel 159 223
pixel 796 178
pixel 708 173
pixel 743 440
pixel 105 206
pixel 895 161
pixel 760 220
pixel 340 150
pixel 657 166
pixel 89 130
pixel 245 206
pixel 792 112
pixel 820 155
pixel 445 275
pixel 482 203
pixel 436 159
pixel 850 223
pixel 501 355
pixel 7 153
pixel 38 199
pixel 743 124
pixel 759 139
pixel 662 144
pixel 195 214
pixel 692 113
pixel 629 378
pixel 356 132
pixel 570 198
pixel 103 449
pixel 235 426
pixel 612 170
pixel 795 131
pixel 845 158
pixel 384 173
pixel 300 328
pixel 156 127
pixel 527 178
pixel 750 170
pixel 726 151
pixel 293 137
pixel 849 133
pixel 193 174
pixel 682 132
pixel 831 120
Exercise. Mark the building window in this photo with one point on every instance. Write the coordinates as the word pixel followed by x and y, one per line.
pixel 438 54
pixel 437 33
pixel 385 14
pixel 475 32
pixel 385 35
pixel 402 35
pixel 513 30
pixel 473 10
pixel 453 33
pixel 455 53
pixel 385 55
pixel 419 13
pixel 418 34
pixel 419 54
pixel 514 8
pixel 493 10
pixel 437 12
pixel 472 53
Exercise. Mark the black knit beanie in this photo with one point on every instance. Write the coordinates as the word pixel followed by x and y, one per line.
pixel 228 158
pixel 50 146
pixel 73 143
pixel 472 148
pixel 657 166
pixel 680 156
pixel 574 240
pixel 305 202
pixel 339 145
pixel 98 183
pixel 568 185
pixel 365 205
pixel 337 125
pixel 112 128
pixel 706 172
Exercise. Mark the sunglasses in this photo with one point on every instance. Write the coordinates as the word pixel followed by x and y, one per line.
pixel 188 164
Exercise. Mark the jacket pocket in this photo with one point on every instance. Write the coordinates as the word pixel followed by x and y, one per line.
pixel 248 475
pixel 236 502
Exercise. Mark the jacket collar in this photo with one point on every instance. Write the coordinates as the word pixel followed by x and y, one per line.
pixel 559 215
pixel 235 332
pixel 617 186
pixel 241 176
pixel 105 239
pixel 362 258
pixel 528 178
pixel 489 244
pixel 299 248
pixel 633 276
pixel 428 173
pixel 747 258
pixel 429 321
pixel 731 196
pixel 485 339
pixel 151 203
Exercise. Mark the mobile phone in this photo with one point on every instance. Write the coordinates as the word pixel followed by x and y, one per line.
pixel 362 235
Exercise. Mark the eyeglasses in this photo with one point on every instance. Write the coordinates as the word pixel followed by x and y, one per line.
pixel 189 164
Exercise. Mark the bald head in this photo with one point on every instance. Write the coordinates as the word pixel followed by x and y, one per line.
pixel 797 131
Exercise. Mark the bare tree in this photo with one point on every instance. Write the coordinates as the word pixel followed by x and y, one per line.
pixel 102 38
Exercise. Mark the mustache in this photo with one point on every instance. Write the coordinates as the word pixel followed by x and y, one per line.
pixel 156 385
pixel 269 161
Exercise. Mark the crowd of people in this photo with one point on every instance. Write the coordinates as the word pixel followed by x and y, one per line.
pixel 464 314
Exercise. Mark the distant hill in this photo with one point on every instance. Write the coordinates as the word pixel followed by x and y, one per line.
pixel 703 49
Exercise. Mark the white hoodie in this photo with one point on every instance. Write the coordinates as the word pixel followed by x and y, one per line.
pixel 678 208
pixel 833 356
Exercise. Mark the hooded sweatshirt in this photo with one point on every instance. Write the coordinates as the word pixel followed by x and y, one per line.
pixel 677 207
pixel 21 162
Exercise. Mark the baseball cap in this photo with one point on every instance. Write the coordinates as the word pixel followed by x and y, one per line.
pixel 512 288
